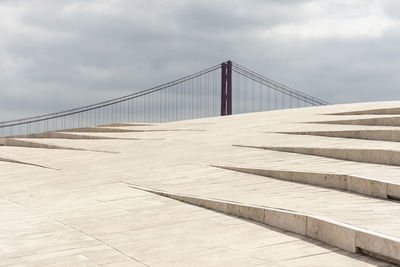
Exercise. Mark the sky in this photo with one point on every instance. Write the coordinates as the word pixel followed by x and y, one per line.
pixel 56 55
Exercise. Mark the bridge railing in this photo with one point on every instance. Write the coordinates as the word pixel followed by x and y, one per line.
pixel 201 94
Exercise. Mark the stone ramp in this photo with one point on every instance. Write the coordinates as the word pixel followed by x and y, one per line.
pixel 378 135
pixel 335 196
pixel 384 121
pixel 29 144
pixel 143 229
pixel 341 206
pixel 377 156
pixel 352 183
pixel 344 236
pixel 13 161
pixel 62 135
pixel 381 111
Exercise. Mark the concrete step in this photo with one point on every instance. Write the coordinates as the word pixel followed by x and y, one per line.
pixel 381 111
pixel 345 236
pixel 119 130
pixel 377 156
pixel 124 124
pixel 387 121
pixel 379 135
pixel 61 135
pixel 98 130
pixel 21 143
pixel 357 184
pixel 6 141
pixel 8 160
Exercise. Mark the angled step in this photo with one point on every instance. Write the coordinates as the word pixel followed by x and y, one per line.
pixel 6 141
pixel 381 111
pixel 387 121
pixel 124 124
pixel 357 184
pixel 23 163
pixel 98 130
pixel 378 135
pixel 377 156
pixel 345 236
pixel 61 135
pixel 118 130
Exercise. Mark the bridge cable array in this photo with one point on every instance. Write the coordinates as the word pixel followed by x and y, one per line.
pixel 193 96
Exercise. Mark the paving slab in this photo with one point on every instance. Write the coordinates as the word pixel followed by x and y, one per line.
pixel 83 211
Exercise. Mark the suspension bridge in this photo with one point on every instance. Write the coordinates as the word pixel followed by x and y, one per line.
pixel 224 89
pixel 312 186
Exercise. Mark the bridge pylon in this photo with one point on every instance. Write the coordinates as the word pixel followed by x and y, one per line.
pixel 226 88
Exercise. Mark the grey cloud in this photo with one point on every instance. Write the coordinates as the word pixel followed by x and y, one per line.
pixel 80 57
pixel 232 17
pixel 392 8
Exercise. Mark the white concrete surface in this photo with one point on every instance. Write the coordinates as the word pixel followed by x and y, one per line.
pixel 83 212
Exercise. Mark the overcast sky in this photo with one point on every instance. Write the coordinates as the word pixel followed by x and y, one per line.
pixel 61 54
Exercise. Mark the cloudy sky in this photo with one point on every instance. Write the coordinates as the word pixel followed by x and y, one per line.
pixel 61 54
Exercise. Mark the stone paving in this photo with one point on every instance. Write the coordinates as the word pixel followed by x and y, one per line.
pixel 77 206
